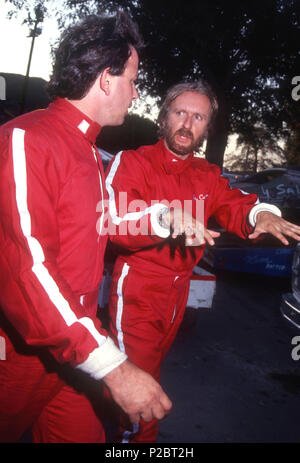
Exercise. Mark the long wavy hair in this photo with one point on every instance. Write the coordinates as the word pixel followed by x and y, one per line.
pixel 89 47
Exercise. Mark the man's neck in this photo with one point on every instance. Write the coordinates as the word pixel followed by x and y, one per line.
pixel 83 107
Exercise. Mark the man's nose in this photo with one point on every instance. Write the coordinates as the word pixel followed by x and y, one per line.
pixel 187 123
pixel 135 94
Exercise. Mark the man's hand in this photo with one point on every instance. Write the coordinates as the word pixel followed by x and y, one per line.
pixel 181 222
pixel 209 236
pixel 267 222
pixel 137 393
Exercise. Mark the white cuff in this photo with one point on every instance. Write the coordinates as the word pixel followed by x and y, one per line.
pixel 157 228
pixel 260 208
pixel 103 360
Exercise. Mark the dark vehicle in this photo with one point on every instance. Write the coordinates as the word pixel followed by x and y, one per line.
pixel 279 186
pixel 290 304
pixel 232 177
pixel 265 255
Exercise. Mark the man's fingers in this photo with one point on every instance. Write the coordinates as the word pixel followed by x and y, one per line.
pixel 209 237
pixel 198 235
pixel 280 237
pixel 137 392
pixel 177 230
pixel 157 411
pixel 280 231
pixel 292 232
pixel 134 418
pixel 253 236
pixel 267 222
pixel 214 233
pixel 194 231
pixel 166 403
pixel 291 226
pixel 272 231
pixel 148 415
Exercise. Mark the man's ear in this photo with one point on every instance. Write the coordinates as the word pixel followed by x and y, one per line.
pixel 105 81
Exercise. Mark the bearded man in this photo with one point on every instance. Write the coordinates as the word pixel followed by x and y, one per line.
pixel 160 199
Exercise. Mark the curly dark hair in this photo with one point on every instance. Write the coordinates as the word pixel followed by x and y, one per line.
pixel 89 47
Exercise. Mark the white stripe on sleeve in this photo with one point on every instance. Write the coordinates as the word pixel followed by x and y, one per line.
pixel 260 208
pixel 38 268
pixel 152 210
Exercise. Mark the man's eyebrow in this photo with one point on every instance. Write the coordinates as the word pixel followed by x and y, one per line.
pixel 178 108
pixel 197 113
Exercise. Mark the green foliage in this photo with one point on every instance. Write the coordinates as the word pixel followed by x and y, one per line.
pixel 247 50
pixel 135 132
pixel 259 148
pixel 293 148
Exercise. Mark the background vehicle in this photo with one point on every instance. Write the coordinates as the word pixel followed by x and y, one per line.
pixel 279 186
pixel 290 304
pixel 265 255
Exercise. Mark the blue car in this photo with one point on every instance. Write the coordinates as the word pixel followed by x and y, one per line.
pixel 265 255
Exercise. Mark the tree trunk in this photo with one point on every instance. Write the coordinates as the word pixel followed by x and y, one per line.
pixel 247 158
pixel 215 148
pixel 218 133
pixel 255 160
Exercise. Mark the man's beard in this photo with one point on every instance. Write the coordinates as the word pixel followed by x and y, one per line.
pixel 178 149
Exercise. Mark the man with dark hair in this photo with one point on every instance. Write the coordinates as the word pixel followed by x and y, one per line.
pixel 161 198
pixel 52 245
pixel 84 52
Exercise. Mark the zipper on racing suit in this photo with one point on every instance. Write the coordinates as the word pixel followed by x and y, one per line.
pixel 101 188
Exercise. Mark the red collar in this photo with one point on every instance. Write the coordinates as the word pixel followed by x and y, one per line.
pixel 73 116
pixel 173 164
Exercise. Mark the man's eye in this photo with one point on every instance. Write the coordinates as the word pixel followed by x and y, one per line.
pixel 198 117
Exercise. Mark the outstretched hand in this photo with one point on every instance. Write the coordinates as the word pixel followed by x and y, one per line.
pixel 267 222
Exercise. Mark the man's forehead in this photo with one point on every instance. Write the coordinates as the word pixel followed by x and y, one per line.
pixel 132 63
pixel 194 101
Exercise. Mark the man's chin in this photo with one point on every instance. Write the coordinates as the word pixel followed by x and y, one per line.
pixel 181 150
pixel 117 122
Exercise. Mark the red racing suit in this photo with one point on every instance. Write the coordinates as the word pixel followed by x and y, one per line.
pixel 150 282
pixel 51 260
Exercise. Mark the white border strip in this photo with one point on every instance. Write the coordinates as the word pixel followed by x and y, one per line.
pixel 127 434
pixel 112 202
pixel 152 210
pixel 135 427
pixel 260 208
pixel 101 188
pixel 120 306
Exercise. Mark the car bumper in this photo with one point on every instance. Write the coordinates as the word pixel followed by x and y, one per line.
pixel 290 309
